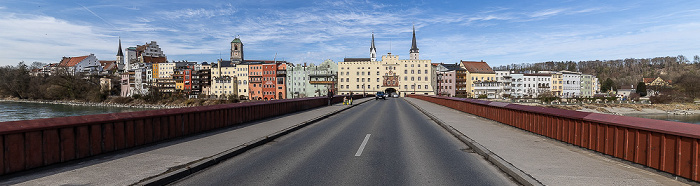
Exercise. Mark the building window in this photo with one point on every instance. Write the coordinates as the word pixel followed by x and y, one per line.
pixel 426 86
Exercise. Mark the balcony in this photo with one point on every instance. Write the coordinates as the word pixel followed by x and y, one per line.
pixel 322 82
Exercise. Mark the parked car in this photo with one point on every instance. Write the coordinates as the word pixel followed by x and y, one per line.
pixel 380 95
pixel 395 95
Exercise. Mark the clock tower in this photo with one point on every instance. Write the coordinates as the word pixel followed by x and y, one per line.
pixel 236 50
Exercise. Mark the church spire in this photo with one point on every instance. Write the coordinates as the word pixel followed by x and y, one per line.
pixel 414 47
pixel 372 50
pixel 119 53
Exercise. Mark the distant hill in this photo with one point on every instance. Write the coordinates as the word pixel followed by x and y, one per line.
pixel 622 71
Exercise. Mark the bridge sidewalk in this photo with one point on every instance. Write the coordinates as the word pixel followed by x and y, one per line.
pixel 548 161
pixel 151 163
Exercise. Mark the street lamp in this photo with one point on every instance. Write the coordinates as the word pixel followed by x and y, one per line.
pixel 414 88
pixel 363 90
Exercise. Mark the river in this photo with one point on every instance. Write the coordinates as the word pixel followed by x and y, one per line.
pixel 14 111
pixel 694 118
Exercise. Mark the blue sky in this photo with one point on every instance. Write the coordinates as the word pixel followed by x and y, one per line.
pixel 498 32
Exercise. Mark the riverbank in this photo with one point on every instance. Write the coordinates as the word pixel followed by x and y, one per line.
pixel 128 102
pixel 634 109
pixel 100 104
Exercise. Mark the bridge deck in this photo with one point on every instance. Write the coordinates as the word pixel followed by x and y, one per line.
pixel 548 161
pixel 133 166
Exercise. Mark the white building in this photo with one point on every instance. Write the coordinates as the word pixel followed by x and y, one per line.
pixel 505 80
pixel 312 80
pixel 572 84
pixel 80 65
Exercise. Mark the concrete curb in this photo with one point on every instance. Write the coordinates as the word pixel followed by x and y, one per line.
pixel 520 176
pixel 193 167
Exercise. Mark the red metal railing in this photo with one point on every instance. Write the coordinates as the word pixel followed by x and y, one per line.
pixel 663 145
pixel 34 143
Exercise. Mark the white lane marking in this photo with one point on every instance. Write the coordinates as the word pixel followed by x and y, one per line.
pixel 362 147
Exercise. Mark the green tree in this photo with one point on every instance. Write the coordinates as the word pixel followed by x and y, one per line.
pixel 641 89
pixel 607 85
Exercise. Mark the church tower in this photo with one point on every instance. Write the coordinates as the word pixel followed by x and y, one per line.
pixel 120 56
pixel 372 50
pixel 236 50
pixel 414 48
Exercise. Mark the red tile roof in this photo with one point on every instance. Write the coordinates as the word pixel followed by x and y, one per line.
pixel 648 80
pixel 108 65
pixel 477 67
pixel 71 61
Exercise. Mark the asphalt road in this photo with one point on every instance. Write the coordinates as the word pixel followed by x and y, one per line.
pixel 381 142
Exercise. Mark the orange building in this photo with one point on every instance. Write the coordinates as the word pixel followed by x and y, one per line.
pixel 255 79
pixel 266 79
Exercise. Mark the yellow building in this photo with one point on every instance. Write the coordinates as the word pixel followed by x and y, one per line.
pixel 557 85
pixel 481 79
pixel 155 70
pixel 223 79
pixel 390 75
pixel 242 76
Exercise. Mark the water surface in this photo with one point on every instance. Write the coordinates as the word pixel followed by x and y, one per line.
pixel 694 118
pixel 14 111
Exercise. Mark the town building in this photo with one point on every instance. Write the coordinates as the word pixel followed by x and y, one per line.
pixel 649 82
pixel 130 59
pixel 126 91
pixel 480 79
pixel 312 80
pixel 451 78
pixel 81 65
pixel 224 81
pixel 571 84
pixel 150 53
pixel 557 84
pixel 390 75
pixel 505 80
pixel 242 74
pixel 587 86
pixel 108 67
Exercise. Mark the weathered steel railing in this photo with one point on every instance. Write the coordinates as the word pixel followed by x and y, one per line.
pixel 34 143
pixel 668 146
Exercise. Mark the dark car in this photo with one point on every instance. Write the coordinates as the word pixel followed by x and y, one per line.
pixel 380 95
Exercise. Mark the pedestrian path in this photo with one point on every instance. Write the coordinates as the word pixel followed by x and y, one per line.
pixel 548 161
pixel 151 163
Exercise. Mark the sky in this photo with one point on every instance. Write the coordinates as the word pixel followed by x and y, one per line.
pixel 497 32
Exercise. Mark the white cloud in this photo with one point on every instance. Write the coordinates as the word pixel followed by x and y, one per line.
pixel 503 49
pixel 547 13
pixel 200 13
pixel 47 39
